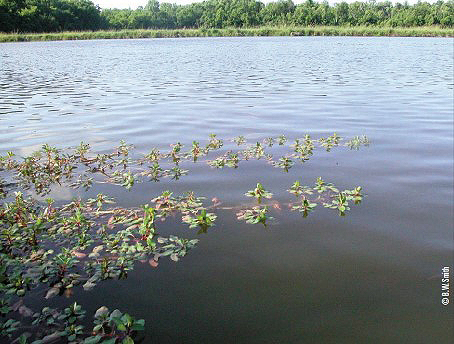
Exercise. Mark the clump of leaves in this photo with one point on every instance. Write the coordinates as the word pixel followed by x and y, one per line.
pixel 355 195
pixel 297 189
pixel 109 327
pixel 358 141
pixel 239 140
pixel 330 141
pixel 255 215
pixel 79 167
pixel 322 186
pixel 50 249
pixel 196 151
pixel 269 141
pixel 229 159
pixel 284 163
pixel 85 252
pixel 165 203
pixel 114 326
pixel 202 219
pixel 174 247
pixel 259 193
pixel 340 203
pixel 281 140
pixel 303 148
pixel 214 143
pixel 305 207
pixel 153 156
pixel 254 151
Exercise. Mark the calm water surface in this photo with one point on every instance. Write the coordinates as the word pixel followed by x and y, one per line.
pixel 370 277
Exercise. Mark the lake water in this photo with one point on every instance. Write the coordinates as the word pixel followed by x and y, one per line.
pixel 373 276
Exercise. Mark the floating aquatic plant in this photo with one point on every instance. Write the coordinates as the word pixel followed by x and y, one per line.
pixel 202 219
pixel 48 249
pixel 281 140
pixel 239 140
pixel 284 162
pixel 340 202
pixel 80 168
pixel 322 186
pixel 254 215
pixel 330 141
pixel 259 192
pixel 269 141
pixel 297 189
pixel 357 142
pixel 305 207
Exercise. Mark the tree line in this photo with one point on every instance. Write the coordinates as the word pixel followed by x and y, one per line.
pixel 77 15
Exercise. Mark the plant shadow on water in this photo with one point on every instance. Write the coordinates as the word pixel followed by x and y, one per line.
pixel 51 249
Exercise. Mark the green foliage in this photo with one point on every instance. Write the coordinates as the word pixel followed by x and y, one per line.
pixel 305 207
pixel 49 15
pixel 60 15
pixel 50 248
pixel 201 219
pixel 259 192
pixel 297 189
pixel 254 215
pixel 284 163
pixel 327 194
pixel 357 142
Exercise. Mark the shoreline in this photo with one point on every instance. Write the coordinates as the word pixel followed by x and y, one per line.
pixel 365 31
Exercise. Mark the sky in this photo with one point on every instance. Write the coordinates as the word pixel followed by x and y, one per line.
pixel 134 3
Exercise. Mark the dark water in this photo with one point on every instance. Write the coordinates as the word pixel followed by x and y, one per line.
pixel 370 277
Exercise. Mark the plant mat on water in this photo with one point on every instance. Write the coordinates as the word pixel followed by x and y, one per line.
pixel 48 249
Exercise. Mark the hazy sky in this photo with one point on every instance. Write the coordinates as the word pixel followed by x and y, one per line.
pixel 134 3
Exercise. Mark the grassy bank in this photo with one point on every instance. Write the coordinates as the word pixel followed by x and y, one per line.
pixel 430 31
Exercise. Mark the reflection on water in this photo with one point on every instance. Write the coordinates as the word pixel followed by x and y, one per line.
pixel 370 277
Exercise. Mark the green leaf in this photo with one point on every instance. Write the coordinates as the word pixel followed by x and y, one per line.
pixel 92 340
pixel 139 325
pixel 126 318
pixel 102 311
pixel 128 340
pixel 119 324
pixel 97 328
pixel 23 339
pixel 150 242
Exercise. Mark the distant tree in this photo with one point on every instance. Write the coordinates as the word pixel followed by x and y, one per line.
pixel 59 15
pixel 278 12
pixel 10 19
